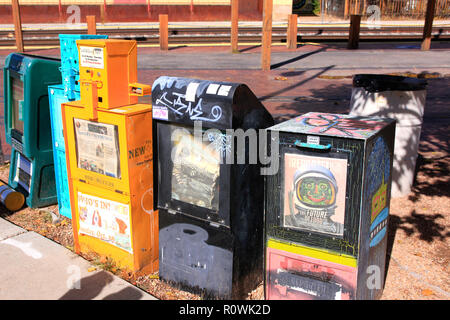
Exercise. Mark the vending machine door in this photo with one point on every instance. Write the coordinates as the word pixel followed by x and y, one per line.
pixel 192 173
pixel 318 199
pixel 192 253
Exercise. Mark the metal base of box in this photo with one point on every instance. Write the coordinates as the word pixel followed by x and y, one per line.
pixel 294 276
pixel 200 257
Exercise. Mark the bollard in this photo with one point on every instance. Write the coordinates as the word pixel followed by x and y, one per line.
pixel 353 34
pixel 267 35
pixel 164 32
pixel 427 28
pixel 234 25
pixel 17 25
pixel 291 41
pixel 91 25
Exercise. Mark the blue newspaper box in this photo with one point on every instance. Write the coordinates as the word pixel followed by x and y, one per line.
pixel 69 62
pixel 57 96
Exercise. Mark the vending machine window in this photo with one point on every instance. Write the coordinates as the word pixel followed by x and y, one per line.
pixel 97 147
pixel 17 109
pixel 210 207
pixel 194 179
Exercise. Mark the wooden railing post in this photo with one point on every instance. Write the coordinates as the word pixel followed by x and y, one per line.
pixel 291 41
pixel 267 35
pixel 164 32
pixel 234 25
pixel 91 25
pixel 346 8
pixel 17 25
pixel 353 33
pixel 428 26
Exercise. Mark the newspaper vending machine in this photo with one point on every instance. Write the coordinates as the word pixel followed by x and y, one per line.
pixel 327 207
pixel 108 137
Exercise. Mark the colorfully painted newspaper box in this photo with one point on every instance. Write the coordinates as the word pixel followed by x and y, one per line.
pixel 110 164
pixel 210 208
pixel 27 116
pixel 327 208
pixel 68 90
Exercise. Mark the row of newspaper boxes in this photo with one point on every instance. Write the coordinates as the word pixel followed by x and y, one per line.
pixel 201 185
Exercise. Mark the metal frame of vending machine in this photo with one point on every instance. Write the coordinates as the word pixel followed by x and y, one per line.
pixel 327 208
pixel 110 158
pixel 27 115
pixel 68 90
pixel 210 208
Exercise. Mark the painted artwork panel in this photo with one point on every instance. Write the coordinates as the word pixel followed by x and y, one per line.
pixel 377 179
pixel 106 220
pixel 314 193
pixel 338 125
pixel 292 276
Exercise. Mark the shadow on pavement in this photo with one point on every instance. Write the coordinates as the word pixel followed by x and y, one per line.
pixel 302 56
pixel 90 287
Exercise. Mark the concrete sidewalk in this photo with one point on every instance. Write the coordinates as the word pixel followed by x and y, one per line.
pixel 33 267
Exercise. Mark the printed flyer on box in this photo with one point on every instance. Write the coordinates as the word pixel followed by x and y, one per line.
pixel 314 193
pixel 105 219
pixel 97 147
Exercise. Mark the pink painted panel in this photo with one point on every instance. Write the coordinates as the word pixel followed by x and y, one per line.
pixel 291 276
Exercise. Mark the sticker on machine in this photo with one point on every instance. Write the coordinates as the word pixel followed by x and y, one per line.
pixel 105 219
pixel 314 198
pixel 24 171
pixel 91 57
pixel 160 112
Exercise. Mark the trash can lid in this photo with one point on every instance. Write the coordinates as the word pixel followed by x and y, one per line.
pixel 382 82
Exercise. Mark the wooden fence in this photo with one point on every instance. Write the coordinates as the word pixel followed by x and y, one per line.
pixel 387 9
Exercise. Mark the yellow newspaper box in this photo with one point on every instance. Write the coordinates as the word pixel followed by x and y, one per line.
pixel 110 169
pixel 111 67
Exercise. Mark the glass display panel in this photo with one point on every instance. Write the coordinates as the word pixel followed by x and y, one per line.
pixel 196 169
pixel 314 193
pixel 97 147
pixel 17 100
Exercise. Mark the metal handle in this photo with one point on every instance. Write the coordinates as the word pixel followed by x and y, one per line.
pixel 299 144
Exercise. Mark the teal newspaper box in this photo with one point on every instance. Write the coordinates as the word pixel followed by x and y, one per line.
pixel 68 90
pixel 27 117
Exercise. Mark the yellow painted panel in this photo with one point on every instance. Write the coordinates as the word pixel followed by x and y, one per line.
pixel 313 252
